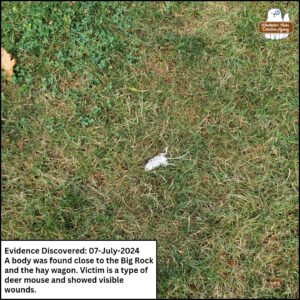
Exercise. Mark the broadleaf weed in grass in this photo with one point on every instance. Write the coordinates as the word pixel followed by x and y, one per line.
pixel 91 41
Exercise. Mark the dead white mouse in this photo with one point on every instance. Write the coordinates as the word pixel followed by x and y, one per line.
pixel 160 160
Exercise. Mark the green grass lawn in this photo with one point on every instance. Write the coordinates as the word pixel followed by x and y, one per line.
pixel 101 87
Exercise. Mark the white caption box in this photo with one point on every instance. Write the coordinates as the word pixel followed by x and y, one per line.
pixel 78 269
